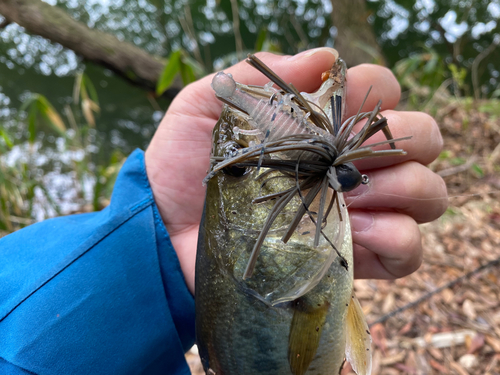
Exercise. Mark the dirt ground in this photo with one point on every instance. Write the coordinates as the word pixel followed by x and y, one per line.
pixel 454 329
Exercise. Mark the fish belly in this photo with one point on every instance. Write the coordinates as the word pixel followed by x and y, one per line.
pixel 238 333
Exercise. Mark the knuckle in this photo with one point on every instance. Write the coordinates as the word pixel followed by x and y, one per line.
pixel 426 190
pixel 411 245
pixel 435 144
pixel 443 195
pixel 413 179
pixel 263 55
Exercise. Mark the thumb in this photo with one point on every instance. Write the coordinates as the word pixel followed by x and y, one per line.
pixel 303 70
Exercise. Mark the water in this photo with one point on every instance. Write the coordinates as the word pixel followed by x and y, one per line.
pixel 127 120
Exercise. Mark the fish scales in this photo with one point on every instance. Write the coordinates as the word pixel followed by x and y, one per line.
pixel 272 307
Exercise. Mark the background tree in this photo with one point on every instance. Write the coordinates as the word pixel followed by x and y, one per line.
pixel 355 38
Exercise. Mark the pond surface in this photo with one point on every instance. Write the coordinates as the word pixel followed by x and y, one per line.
pixel 127 119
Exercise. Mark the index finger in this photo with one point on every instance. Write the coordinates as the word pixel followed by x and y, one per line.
pixel 384 86
pixel 425 143
pixel 303 70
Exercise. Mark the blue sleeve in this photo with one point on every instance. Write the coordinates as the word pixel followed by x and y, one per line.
pixel 98 293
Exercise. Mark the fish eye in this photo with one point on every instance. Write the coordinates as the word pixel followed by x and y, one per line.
pixel 234 171
pixel 348 176
pixel 231 149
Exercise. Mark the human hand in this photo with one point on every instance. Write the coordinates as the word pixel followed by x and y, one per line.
pixel 384 216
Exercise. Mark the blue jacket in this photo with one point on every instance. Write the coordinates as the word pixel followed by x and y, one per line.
pixel 97 293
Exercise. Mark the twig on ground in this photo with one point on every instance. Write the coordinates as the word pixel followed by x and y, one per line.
pixel 385 317
pixel 458 168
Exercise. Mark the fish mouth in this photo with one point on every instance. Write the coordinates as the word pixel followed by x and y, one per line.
pixel 283 271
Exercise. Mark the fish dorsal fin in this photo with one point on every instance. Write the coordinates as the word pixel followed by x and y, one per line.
pixel 358 343
pixel 305 333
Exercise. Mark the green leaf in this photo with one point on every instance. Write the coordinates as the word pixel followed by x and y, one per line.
pixel 50 200
pixel 50 115
pixel 187 74
pixel 39 107
pixel 198 69
pixel 32 122
pixel 491 107
pixel 430 67
pixel 445 154
pixel 6 138
pixel 478 170
pixel 89 86
pixel 88 109
pixel 457 161
pixel 77 87
pixel 171 69
pixel 261 38
pixel 452 211
pixel 85 92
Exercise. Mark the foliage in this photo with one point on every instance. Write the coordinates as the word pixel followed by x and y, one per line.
pixel 41 112
pixel 25 192
pixel 425 75
pixel 426 69
pixel 180 63
pixel 458 31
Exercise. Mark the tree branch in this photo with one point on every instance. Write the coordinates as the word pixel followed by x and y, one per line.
pixel 4 24
pixel 125 59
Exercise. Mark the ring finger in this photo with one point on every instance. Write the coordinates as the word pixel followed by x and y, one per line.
pixel 408 188
pixel 377 257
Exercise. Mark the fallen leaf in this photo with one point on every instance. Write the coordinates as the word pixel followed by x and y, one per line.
pixel 378 337
pixel 389 303
pixel 476 343
pixel 406 328
pixel 406 369
pixel 396 358
pixel 438 366
pixel 468 361
pixel 469 310
pixel 377 357
pixel 493 342
pixel 458 368
pixel 435 353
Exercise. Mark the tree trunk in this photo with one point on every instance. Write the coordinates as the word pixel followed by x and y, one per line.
pixel 127 60
pixel 355 41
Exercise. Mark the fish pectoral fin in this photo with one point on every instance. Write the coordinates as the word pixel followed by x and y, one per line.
pixel 358 342
pixel 305 333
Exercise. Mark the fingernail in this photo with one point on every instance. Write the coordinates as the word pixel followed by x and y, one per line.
pixel 361 221
pixel 314 51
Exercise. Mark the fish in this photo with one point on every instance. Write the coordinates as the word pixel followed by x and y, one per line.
pixel 274 267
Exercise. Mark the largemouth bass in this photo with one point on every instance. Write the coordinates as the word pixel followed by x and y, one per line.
pixel 274 269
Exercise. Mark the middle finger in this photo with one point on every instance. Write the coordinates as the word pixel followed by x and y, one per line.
pixel 423 147
pixel 408 188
